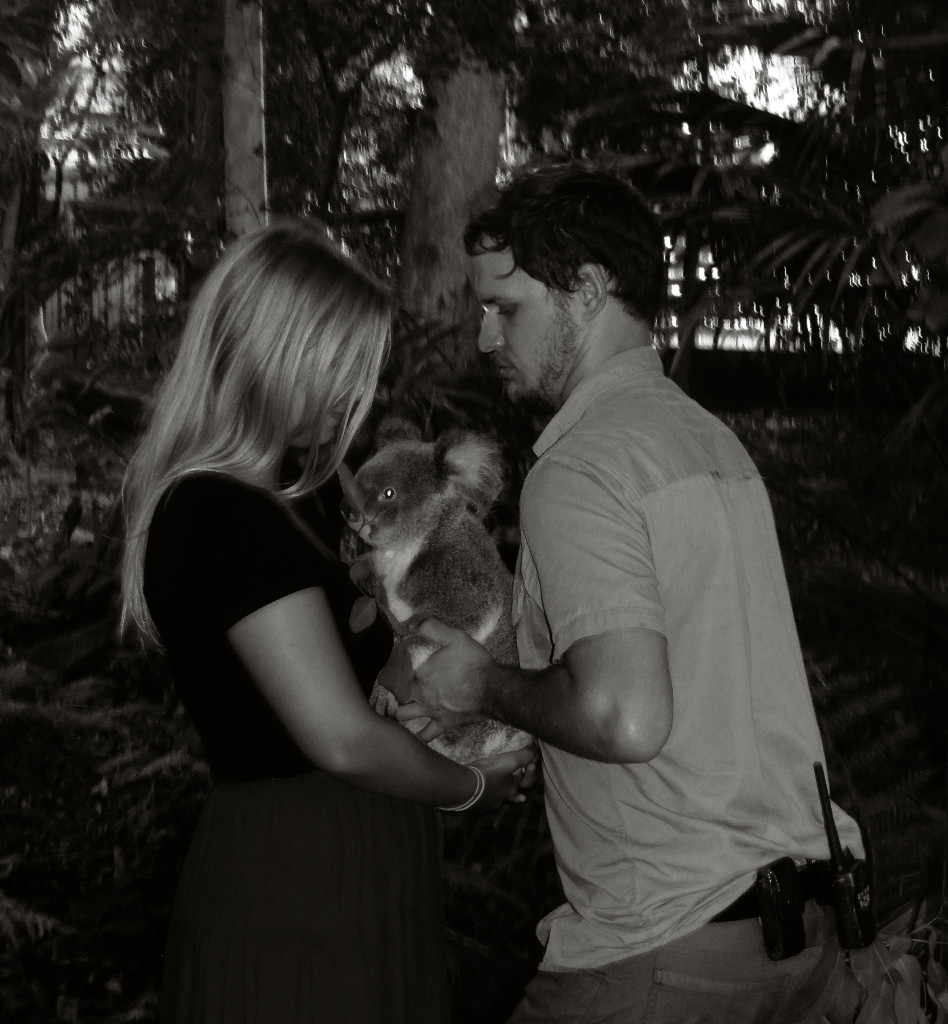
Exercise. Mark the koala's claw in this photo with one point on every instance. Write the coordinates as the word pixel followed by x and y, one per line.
pixel 382 701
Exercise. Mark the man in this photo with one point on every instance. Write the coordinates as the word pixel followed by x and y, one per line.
pixel 660 666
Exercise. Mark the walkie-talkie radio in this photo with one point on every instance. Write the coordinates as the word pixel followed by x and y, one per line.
pixel 850 883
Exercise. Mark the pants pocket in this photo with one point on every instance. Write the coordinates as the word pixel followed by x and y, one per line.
pixel 676 997
pixel 566 997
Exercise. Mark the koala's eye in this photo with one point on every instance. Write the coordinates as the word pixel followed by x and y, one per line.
pixel 388 493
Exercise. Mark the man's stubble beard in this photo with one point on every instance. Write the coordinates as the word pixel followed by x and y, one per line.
pixel 561 343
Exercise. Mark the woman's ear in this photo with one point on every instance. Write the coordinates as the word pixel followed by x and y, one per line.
pixel 592 291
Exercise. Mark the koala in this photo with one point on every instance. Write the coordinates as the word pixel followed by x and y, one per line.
pixel 417 543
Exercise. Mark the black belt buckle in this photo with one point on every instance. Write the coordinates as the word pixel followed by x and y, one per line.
pixel 780 902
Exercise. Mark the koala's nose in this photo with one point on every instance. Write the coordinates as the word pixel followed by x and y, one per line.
pixel 490 338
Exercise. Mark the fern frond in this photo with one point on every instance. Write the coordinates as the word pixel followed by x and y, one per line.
pixel 18 921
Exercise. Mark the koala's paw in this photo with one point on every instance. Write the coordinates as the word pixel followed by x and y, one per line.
pixel 466 743
pixel 382 701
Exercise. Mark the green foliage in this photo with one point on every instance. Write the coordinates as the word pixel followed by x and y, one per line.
pixel 456 29
pixel 26 86
pixel 340 102
pixel 157 46
pixel 99 788
pixel 865 560
pixel 577 63
pixel 824 222
pixel 101 774
pixel 832 215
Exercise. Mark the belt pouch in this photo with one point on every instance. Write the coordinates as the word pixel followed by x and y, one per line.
pixel 780 901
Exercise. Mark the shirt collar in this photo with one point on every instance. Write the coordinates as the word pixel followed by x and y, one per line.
pixel 636 363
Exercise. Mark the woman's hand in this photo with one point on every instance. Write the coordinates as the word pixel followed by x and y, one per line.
pixel 505 775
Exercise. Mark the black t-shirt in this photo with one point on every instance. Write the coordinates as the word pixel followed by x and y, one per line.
pixel 217 551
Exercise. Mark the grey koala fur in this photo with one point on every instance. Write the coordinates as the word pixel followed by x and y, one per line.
pixel 419 507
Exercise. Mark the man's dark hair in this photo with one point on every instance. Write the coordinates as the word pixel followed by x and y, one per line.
pixel 555 218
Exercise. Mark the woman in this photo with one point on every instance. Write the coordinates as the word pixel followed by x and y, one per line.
pixel 311 891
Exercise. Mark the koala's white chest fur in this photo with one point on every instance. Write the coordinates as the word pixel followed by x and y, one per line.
pixel 391 568
pixel 490 623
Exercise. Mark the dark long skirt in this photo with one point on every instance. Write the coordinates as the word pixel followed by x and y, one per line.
pixel 307 900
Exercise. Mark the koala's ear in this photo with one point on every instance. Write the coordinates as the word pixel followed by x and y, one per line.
pixel 475 467
pixel 395 428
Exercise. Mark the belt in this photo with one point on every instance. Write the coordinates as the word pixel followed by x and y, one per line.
pixel 812 885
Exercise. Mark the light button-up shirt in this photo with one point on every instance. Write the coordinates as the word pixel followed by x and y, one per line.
pixel 644 510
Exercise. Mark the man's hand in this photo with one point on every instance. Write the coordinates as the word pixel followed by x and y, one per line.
pixel 450 685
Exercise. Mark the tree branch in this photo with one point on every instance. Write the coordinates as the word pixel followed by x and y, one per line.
pixel 313 33
pixel 342 104
pixel 372 215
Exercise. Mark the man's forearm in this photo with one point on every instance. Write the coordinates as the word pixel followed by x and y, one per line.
pixel 548 704
pixel 609 700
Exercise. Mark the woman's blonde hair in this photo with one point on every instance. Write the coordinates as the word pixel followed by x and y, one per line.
pixel 281 302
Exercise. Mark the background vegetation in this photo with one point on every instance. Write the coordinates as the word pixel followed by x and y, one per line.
pixel 797 155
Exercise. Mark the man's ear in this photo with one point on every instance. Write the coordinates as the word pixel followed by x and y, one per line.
pixel 592 292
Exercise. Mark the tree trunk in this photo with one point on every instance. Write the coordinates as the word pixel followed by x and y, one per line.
pixel 206 188
pixel 245 177
pixel 9 218
pixel 17 308
pixel 12 337
pixel 455 162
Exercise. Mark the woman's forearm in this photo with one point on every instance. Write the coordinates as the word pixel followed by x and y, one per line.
pixel 385 757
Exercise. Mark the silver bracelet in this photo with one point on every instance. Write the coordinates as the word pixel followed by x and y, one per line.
pixel 478 791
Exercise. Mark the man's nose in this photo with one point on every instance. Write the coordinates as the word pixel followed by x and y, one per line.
pixel 490 337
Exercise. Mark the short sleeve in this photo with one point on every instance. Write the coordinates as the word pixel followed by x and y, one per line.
pixel 217 551
pixel 587 548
